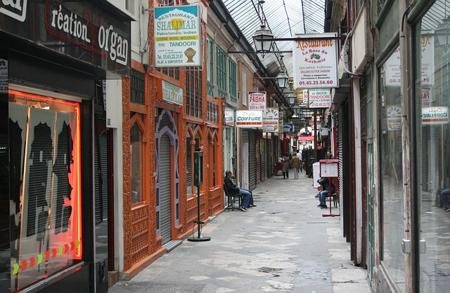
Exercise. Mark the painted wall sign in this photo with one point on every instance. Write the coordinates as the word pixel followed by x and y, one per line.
pixel 79 29
pixel 177 36
pixel 249 119
pixel 315 62
pixel 172 93
pixel 271 118
pixel 434 115
pixel 319 98
pixel 229 117
pixel 257 101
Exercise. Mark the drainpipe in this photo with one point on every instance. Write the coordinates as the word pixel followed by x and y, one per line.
pixel 407 143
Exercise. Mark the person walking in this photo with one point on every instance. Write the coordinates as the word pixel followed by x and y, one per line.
pixel 295 162
pixel 285 168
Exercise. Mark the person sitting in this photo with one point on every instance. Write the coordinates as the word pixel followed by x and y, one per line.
pixel 327 189
pixel 247 197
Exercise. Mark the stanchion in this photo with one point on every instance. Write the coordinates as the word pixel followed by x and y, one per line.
pixel 199 237
pixel 331 213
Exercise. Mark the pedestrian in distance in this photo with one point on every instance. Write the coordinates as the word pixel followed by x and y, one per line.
pixel 295 162
pixel 286 168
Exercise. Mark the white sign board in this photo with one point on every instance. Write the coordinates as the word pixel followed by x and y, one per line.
pixel 177 36
pixel 172 93
pixel 392 70
pixel 257 101
pixel 320 98
pixel 434 115
pixel 229 117
pixel 315 62
pixel 249 119
pixel 271 118
pixel 329 169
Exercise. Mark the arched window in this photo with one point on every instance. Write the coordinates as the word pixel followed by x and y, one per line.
pixel 136 163
pixel 192 144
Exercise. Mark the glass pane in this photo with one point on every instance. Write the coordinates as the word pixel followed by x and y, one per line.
pixel 46 183
pixel 391 169
pixel 433 138
pixel 136 168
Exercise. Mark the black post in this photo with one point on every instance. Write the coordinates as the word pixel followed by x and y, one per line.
pixel 198 174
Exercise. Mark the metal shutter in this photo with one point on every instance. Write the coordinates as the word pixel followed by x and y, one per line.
pixel 252 158
pixel 101 179
pixel 341 161
pixel 164 189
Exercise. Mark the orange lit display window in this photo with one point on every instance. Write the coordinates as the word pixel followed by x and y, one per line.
pixel 44 135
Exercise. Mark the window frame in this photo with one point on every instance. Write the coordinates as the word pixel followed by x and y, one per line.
pixel 136 120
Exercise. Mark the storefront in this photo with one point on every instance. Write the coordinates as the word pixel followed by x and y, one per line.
pixel 53 56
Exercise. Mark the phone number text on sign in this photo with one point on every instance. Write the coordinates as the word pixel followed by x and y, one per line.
pixel 315 82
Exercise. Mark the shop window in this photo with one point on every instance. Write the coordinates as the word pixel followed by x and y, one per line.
pixel 136 163
pixel 191 145
pixel 432 79
pixel 194 91
pixel 391 168
pixel 244 90
pixel 46 226
pixel 232 80
pixel 221 71
pixel 210 62
pixel 137 87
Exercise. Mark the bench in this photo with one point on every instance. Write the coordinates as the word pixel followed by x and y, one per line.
pixel 232 197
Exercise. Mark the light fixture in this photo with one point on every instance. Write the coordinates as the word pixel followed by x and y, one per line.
pixel 263 37
pixel 282 79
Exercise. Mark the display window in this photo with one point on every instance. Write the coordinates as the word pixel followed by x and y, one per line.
pixel 44 135
pixel 432 87
pixel 391 169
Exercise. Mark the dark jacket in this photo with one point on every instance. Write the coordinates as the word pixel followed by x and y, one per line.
pixel 229 185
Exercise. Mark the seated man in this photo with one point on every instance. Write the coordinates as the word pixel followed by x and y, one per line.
pixel 247 198
pixel 327 190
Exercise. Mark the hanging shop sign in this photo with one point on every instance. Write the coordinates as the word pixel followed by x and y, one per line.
pixel 249 119
pixel 229 116
pixel 427 60
pixel 172 93
pixel 177 36
pixel 434 115
pixel 271 118
pixel 315 61
pixel 392 70
pixel 319 98
pixel 257 101
pixel 75 28
pixel 394 115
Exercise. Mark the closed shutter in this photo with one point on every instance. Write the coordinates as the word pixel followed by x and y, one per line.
pixel 164 189
pixel 263 159
pixel 341 160
pixel 252 158
pixel 101 179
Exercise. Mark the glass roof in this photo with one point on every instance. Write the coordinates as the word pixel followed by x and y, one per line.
pixel 285 18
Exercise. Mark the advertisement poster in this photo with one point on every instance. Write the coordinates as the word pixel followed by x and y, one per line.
pixel 427 60
pixel 434 115
pixel 229 117
pixel 249 119
pixel 315 62
pixel 270 120
pixel 394 117
pixel 257 101
pixel 320 98
pixel 177 36
pixel 392 70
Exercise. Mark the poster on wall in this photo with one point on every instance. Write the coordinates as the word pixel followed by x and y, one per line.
pixel 434 115
pixel 257 101
pixel 271 118
pixel 249 119
pixel 319 98
pixel 427 60
pixel 177 36
pixel 392 70
pixel 394 117
pixel 315 61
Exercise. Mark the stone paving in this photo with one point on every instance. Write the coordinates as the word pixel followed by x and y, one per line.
pixel 281 245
